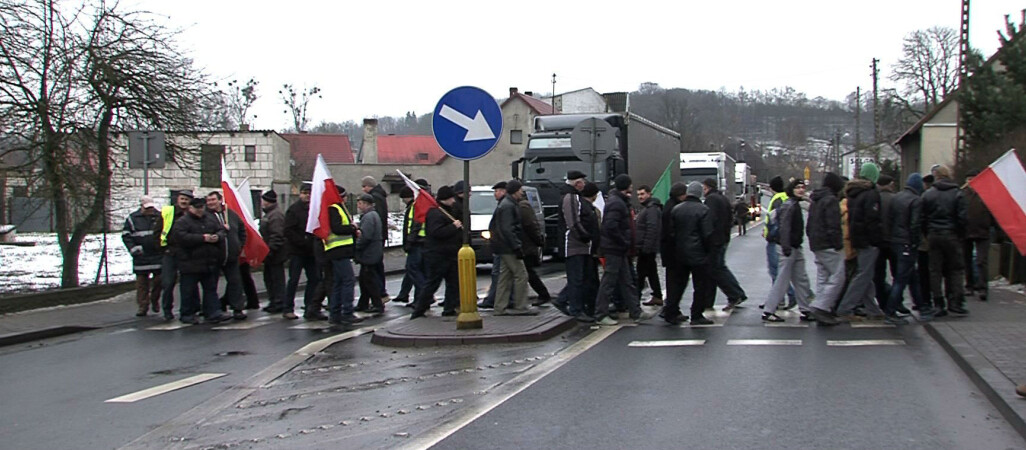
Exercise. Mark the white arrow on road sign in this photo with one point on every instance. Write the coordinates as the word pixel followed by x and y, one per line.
pixel 477 128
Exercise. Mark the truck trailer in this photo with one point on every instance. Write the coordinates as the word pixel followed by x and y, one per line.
pixel 644 150
pixel 715 165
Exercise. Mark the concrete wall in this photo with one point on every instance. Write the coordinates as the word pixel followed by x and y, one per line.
pixel 495 166
pixel 583 101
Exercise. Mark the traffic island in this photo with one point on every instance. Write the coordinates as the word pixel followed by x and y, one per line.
pixel 433 330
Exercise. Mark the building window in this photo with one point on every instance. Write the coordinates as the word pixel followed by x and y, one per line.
pixel 250 153
pixel 254 194
pixel 516 136
pixel 422 156
pixel 210 165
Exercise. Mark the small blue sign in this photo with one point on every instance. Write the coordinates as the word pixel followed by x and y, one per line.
pixel 467 123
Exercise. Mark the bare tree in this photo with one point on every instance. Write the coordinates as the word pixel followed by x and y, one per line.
pixel 297 102
pixel 928 69
pixel 68 83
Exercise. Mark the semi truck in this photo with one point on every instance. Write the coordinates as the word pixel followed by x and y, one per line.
pixel 715 165
pixel 746 190
pixel 644 150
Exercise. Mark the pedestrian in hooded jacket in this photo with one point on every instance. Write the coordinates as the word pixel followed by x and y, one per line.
pixel 866 232
pixel 944 218
pixel 201 250
pixel 886 258
pixel 575 242
pixel 235 233
pixel 792 256
pixel 977 239
pixel 141 236
pixel 906 233
pixel 826 239
pixel 649 228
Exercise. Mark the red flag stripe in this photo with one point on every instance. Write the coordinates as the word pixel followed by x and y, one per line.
pixel 255 249
pixel 1003 206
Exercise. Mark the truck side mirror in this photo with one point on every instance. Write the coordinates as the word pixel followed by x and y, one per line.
pixel 515 168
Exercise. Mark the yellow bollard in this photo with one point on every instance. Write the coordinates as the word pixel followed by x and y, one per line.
pixel 468 319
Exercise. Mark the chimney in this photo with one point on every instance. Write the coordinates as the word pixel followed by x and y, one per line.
pixel 243 127
pixel 369 150
pixel 512 92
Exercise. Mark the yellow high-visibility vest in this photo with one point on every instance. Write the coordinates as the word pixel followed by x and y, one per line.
pixel 334 240
pixel 168 215
pixel 409 224
pixel 782 196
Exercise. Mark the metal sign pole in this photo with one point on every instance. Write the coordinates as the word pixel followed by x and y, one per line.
pixel 594 150
pixel 146 163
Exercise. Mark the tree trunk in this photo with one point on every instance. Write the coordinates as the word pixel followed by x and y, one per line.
pixel 69 270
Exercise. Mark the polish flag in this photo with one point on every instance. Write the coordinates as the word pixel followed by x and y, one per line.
pixel 1002 187
pixel 422 201
pixel 240 201
pixel 323 194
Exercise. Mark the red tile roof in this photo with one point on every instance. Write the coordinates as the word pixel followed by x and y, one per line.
pixel 305 146
pixel 535 104
pixel 409 150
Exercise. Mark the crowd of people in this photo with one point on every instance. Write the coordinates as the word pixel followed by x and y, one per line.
pixel 924 235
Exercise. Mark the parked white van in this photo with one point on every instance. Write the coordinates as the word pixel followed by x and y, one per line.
pixel 482 205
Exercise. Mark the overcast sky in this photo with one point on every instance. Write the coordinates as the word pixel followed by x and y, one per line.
pixel 383 58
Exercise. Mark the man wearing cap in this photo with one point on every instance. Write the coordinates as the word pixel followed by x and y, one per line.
pixel 272 229
pixel 944 218
pixel 141 237
pixel 721 276
pixel 575 241
pixel 865 230
pixel 508 243
pixel 235 234
pixel 370 247
pixel 499 191
pixel 168 263
pixel 413 243
pixel 200 253
pixel 617 240
pixel 685 252
pixel 441 249
pixel 300 246
pixel 369 185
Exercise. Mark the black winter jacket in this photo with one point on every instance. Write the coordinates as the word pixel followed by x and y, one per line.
pixel 272 229
pixel 979 218
pixel 944 208
pixel 532 232
pixel 692 232
pixel 824 227
pixel 886 196
pixel 443 238
pixel 141 236
pixel 335 222
pixel 507 233
pixel 617 225
pixel 381 206
pixel 300 243
pixel 195 255
pixel 649 226
pixel 792 225
pixel 905 216
pixel 864 226
pixel 667 244
pixel 236 231
pixel 722 217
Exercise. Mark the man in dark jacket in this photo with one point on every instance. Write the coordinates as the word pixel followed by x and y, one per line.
pixel 272 229
pixel 905 234
pixel 792 256
pixel 413 242
pixel 141 236
pixel 339 250
pixel 667 244
pixel 944 217
pixel 168 263
pixel 772 253
pixel 200 251
pixel 617 241
pixel 886 258
pixel 235 233
pixel 575 243
pixel 977 239
pixel 507 242
pixel 300 245
pixel 441 250
pixel 498 192
pixel 649 226
pixel 371 186
pixel 534 240
pixel 866 233
pixel 827 243
pixel 689 232
pixel 370 246
pixel 722 216
pixel 741 215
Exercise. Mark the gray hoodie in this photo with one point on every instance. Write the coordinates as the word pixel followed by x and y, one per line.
pixel 370 245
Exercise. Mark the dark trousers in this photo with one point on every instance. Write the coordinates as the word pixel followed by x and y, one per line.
pixel 189 291
pixel 248 286
pixel 168 278
pixel 274 283
pixel 946 266
pixel 886 258
pixel 343 285
pixel 381 276
pixel 923 269
pixel 649 271
pixel 976 269
pixel 578 296
pixel 742 226
pixel 719 275
pixel 232 286
pixel 677 276
pixel 297 265
pixel 617 279
pixel 370 287
pixel 905 276
pixel 440 268
pixel 531 263
pixel 147 290
pixel 414 278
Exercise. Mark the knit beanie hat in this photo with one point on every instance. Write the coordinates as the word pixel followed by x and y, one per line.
pixel 833 182
pixel 777 184
pixel 622 182
pixel 695 189
pixel 870 172
pixel 915 181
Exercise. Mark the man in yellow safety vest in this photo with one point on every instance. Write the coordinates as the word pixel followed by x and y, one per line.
pixel 339 249
pixel 168 265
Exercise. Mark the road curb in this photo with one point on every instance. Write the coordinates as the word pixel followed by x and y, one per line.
pixel 994 385
pixel 46 333
pixel 444 333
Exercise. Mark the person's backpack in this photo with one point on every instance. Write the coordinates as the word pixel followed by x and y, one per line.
pixel 773 225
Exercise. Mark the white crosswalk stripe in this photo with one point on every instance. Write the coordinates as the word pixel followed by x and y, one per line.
pixel 165 388
pixel 864 342
pixel 669 343
pixel 764 342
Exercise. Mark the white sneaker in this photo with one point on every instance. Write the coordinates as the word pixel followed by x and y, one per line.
pixel 607 321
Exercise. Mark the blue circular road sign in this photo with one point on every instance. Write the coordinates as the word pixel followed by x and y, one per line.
pixel 467 123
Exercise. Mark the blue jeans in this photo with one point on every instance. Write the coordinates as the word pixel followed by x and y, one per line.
pixel 773 264
pixel 414 277
pixel 905 275
pixel 340 302
pixel 297 265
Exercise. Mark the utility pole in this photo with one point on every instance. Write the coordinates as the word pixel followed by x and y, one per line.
pixel 553 92
pixel 963 54
pixel 858 118
pixel 876 103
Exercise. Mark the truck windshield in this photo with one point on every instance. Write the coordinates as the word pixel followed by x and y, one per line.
pixel 698 174
pixel 482 202
pixel 555 170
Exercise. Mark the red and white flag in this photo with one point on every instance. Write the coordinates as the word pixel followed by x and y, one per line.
pixel 1002 187
pixel 422 200
pixel 323 194
pixel 239 201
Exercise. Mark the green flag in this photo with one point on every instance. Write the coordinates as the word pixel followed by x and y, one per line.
pixel 661 190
